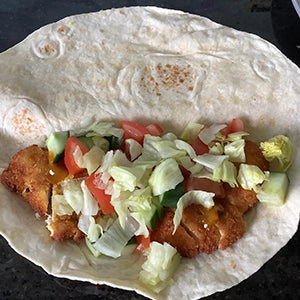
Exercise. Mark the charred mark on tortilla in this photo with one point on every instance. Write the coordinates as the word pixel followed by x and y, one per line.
pixel 166 77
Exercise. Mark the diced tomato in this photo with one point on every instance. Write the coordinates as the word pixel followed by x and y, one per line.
pixel 155 129
pixel 143 243
pixel 204 184
pixel 185 173
pixel 236 125
pixel 226 130
pixel 199 147
pixel 69 160
pixel 134 130
pixel 93 182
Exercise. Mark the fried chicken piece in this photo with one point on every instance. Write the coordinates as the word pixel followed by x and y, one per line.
pixel 237 196
pixel 26 176
pixel 196 233
pixel 181 240
pixel 255 157
pixel 65 227
pixel 231 225
pixel 203 230
pixel 242 199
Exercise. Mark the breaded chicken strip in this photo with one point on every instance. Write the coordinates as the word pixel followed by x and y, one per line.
pixel 237 196
pixel 185 244
pixel 63 227
pixel 26 176
pixel 207 230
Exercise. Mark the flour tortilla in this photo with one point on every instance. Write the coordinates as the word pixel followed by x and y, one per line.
pixel 147 64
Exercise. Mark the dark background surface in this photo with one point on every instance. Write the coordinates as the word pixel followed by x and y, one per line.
pixel 275 21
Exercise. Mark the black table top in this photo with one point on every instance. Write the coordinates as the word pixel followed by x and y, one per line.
pixel 275 21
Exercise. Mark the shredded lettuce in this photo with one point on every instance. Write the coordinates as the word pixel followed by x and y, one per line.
pixel 101 143
pixel 90 205
pixel 103 129
pixel 76 194
pixel 210 161
pixel 235 151
pixel 90 160
pixel 226 172
pixel 167 149
pixel 197 169
pixel 186 162
pixel 112 241
pixel 191 131
pixel 279 151
pixel 232 137
pixel 208 134
pixel 165 176
pixel 89 227
pixel 182 145
pixel 250 176
pixel 140 205
pixel 170 136
pixel 159 267
pixel 196 197
pixel 132 177
pixel 60 206
pixel 123 177
pixel 73 194
pixel 93 159
pixel 110 159
pixel 135 148
pixel 216 148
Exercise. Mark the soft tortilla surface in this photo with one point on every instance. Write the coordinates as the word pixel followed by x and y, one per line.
pixel 147 64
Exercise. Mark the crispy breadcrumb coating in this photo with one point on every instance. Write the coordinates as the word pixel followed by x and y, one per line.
pixel 26 176
pixel 207 230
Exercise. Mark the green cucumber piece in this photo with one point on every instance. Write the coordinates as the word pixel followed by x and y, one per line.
pixel 274 190
pixel 157 213
pixel 56 144
pixel 114 142
pixel 96 140
pixel 171 197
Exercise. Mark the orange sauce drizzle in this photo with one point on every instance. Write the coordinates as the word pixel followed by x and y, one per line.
pixel 56 171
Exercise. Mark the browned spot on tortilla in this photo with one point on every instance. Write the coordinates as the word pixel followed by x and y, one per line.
pixel 233 264
pixel 122 12
pixel 49 49
pixel 61 30
pixel 167 77
pixel 23 123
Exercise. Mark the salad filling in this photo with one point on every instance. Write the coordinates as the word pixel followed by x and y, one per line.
pixel 138 188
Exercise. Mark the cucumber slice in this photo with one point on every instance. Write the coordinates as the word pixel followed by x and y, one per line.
pixel 157 213
pixel 56 145
pixel 171 197
pixel 274 190
pixel 114 142
pixel 91 141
